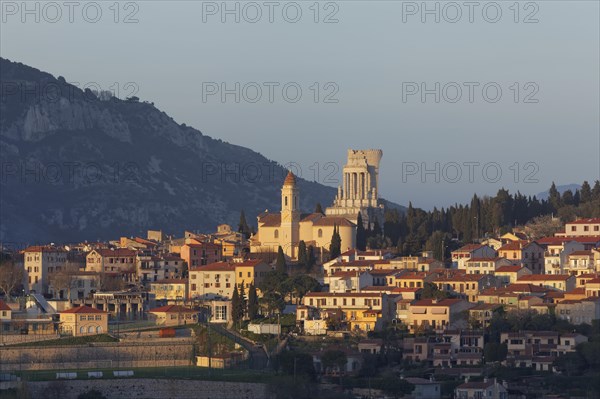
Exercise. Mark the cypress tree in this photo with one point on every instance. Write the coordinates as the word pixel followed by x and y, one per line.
pixel 243 225
pixel 336 244
pixel 252 302
pixel 235 306
pixel 280 264
pixel 361 234
pixel 302 255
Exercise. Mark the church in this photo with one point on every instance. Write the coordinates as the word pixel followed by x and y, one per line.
pixel 288 227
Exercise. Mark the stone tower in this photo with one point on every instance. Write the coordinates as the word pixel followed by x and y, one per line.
pixel 290 215
pixel 358 192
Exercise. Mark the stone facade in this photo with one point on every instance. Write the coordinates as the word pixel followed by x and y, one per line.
pixel 358 192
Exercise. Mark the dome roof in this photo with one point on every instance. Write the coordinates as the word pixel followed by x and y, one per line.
pixel 290 179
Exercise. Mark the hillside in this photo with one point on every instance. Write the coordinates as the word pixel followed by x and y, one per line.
pixel 75 167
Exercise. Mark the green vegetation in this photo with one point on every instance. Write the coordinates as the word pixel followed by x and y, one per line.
pixel 92 394
pixel 335 247
pixel 88 339
pixel 209 342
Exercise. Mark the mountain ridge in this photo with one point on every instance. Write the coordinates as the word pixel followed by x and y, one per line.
pixel 76 166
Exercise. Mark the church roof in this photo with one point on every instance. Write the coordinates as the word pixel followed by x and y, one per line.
pixel 270 220
pixel 290 179
pixel 333 220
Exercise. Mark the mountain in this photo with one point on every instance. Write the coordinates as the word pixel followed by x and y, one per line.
pixel 561 189
pixel 77 165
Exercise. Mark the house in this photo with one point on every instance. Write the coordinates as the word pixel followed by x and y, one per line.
pixel 173 315
pixel 557 250
pixel 485 265
pixel 359 311
pixel 5 311
pixel 466 286
pixel 580 262
pixel 425 389
pixel 198 253
pixel 349 281
pixel 487 389
pixel 216 280
pixel 592 288
pixel 412 279
pixel 75 285
pixel 370 346
pixel 524 253
pixel 120 260
pixel 510 274
pixel 579 311
pixel 559 282
pixel 581 228
pixel 353 364
pixel 466 252
pixel 83 320
pixel 170 291
pixel 436 314
pixel 250 271
pixel 39 262
pixel 424 263
pixel 482 313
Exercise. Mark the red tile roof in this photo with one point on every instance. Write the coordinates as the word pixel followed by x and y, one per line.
pixel 468 248
pixel 544 277
pixel 215 267
pixel 433 302
pixel 586 221
pixel 82 309
pixel 509 269
pixel 4 306
pixel 119 252
pixel 333 220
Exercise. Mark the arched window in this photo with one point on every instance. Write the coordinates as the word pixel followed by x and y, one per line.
pixel 90 329
pixel 276 233
pixel 320 233
pixel 98 330
pixel 82 330
pixel 285 200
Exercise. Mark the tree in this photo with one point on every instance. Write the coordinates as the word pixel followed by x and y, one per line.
pixel 236 304
pixel 334 359
pixel 554 197
pixel 571 364
pixel 361 234
pixel 243 302
pixel 495 352
pixel 252 302
pixel 11 276
pixel 335 248
pixel 63 280
pixel 280 264
pixel 302 255
pixel 243 225
pixel 319 208
pixel 431 291
pixel 297 363
pixel 311 259
pixel 302 284
pixel 543 226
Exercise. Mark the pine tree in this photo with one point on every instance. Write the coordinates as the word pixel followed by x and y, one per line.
pixel 319 208
pixel 311 260
pixel 243 302
pixel 335 247
pixel 554 197
pixel 280 264
pixel 361 234
pixel 235 307
pixel 585 193
pixel 302 255
pixel 596 191
pixel 243 225
pixel 252 302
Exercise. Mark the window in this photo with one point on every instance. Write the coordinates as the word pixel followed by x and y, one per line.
pixel 285 200
pixel 586 228
pixel 91 329
pixel 82 330
pixel 276 233
pixel 98 330
pixel 193 287
pixel 320 233
pixel 573 228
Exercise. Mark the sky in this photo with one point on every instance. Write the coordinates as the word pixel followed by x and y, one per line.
pixel 462 97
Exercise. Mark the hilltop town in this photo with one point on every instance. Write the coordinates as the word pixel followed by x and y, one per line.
pixel 493 300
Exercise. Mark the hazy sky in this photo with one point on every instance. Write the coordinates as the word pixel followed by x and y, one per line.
pixel 361 80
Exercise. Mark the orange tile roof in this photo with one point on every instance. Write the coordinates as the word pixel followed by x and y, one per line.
pixel 508 269
pixel 543 277
pixel 4 306
pixel 215 267
pixel 172 309
pixel 83 309
pixel 586 221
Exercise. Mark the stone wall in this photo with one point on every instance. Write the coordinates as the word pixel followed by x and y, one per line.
pixel 152 388
pixel 98 355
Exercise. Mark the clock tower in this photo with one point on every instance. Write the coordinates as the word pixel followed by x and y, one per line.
pixel 290 215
